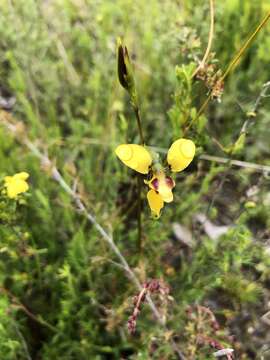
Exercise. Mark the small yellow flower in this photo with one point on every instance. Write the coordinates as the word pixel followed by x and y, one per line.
pixel 138 158
pixel 16 184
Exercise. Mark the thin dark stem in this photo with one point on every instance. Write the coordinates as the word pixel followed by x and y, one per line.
pixel 139 209
pixel 139 215
pixel 139 123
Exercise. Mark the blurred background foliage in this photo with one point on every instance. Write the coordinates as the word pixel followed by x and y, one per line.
pixel 61 296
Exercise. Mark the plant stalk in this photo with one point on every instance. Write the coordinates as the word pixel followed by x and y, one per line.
pixel 231 65
pixel 139 123
pixel 139 182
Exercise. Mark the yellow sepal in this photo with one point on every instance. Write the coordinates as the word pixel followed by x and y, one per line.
pixel 134 156
pixel 180 154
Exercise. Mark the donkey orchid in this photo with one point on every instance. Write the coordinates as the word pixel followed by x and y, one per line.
pixel 146 161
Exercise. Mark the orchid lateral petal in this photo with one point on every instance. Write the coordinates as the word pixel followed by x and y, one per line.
pixel 135 156
pixel 180 154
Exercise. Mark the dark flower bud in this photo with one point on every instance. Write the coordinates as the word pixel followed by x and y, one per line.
pixel 122 68
pixel 125 73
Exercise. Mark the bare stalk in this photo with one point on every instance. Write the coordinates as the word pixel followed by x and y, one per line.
pixel 139 214
pixel 210 38
pixel 139 181
pixel 243 164
pixel 245 46
pixel 139 123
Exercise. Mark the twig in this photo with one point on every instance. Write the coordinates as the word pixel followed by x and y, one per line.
pixel 55 174
pixel 150 287
pixel 210 38
pixel 243 164
pixel 262 94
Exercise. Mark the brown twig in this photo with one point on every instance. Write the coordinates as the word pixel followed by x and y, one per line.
pixel 150 287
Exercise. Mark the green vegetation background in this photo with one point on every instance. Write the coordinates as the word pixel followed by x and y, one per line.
pixel 58 59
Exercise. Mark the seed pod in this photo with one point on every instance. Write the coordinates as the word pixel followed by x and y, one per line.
pixel 134 156
pixel 180 154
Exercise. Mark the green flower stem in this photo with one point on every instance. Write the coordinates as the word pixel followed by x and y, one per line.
pixel 139 123
pixel 139 184
pixel 139 215
pixel 139 180
pixel 245 46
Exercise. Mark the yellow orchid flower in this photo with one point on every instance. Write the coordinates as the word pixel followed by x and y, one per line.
pixel 145 161
pixel 16 184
